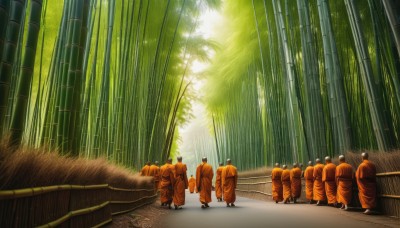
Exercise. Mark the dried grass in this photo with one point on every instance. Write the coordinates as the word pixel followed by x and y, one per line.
pixel 27 167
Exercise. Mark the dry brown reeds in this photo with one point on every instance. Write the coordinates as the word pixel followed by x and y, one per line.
pixel 27 167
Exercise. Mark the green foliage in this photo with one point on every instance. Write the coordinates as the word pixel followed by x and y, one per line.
pixel 289 83
pixel 109 77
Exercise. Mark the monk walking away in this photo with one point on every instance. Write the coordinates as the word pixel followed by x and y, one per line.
pixel 287 194
pixel 192 184
pixel 167 183
pixel 277 188
pixel 309 178
pixel 328 177
pixel 146 169
pixel 181 183
pixel 204 176
pixel 218 182
pixel 155 173
pixel 344 180
pixel 295 181
pixel 229 183
pixel 319 187
pixel 366 181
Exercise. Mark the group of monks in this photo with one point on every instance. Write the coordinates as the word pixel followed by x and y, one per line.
pixel 171 181
pixel 326 184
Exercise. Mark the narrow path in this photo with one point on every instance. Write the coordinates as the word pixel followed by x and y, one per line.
pixel 250 213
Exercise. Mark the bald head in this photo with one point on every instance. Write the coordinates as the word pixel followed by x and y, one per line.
pixel 148 163
pixel 342 158
pixel 317 161
pixel 204 159
pixel 228 161
pixel 221 164
pixel 179 158
pixel 295 165
pixel 310 163
pixel 169 161
pixel 328 159
pixel 277 165
pixel 156 163
pixel 284 166
pixel 364 156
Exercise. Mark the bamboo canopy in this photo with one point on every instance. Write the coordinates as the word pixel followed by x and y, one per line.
pixel 289 80
pixel 299 80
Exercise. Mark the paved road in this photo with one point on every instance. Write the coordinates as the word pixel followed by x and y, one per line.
pixel 253 213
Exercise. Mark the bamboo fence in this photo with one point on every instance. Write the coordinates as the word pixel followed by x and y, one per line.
pixel 260 187
pixel 69 205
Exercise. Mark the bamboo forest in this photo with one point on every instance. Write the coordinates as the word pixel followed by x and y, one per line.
pixel 284 80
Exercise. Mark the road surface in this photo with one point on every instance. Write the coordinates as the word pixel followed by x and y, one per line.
pixel 250 213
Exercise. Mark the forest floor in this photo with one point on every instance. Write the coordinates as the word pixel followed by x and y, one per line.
pixel 149 216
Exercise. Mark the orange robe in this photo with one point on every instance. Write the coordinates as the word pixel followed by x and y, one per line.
pixel 344 181
pixel 145 171
pixel 204 176
pixel 308 176
pixel 166 183
pixel 229 182
pixel 155 172
pixel 218 182
pixel 328 177
pixel 277 189
pixel 366 174
pixel 286 184
pixel 295 180
pixel 319 187
pixel 192 184
pixel 181 183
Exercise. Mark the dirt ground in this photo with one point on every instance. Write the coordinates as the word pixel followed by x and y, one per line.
pixel 145 217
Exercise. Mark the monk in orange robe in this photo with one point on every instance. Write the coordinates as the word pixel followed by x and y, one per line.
pixel 229 182
pixel 277 188
pixel 328 177
pixel 155 172
pixel 319 187
pixel 218 182
pixel 344 182
pixel 295 181
pixel 192 184
pixel 204 176
pixel 181 183
pixel 146 169
pixel 287 194
pixel 308 176
pixel 366 181
pixel 167 184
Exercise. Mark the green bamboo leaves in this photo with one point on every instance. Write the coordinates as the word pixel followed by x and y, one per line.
pixel 109 78
pixel 323 83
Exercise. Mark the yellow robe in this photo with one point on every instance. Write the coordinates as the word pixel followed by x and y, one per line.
pixel 155 172
pixel 277 188
pixel 328 177
pixel 218 182
pixel 166 183
pixel 286 184
pixel 229 183
pixel 192 184
pixel 319 187
pixel 295 180
pixel 145 171
pixel 204 176
pixel 181 183
pixel 344 181
pixel 366 174
pixel 308 176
